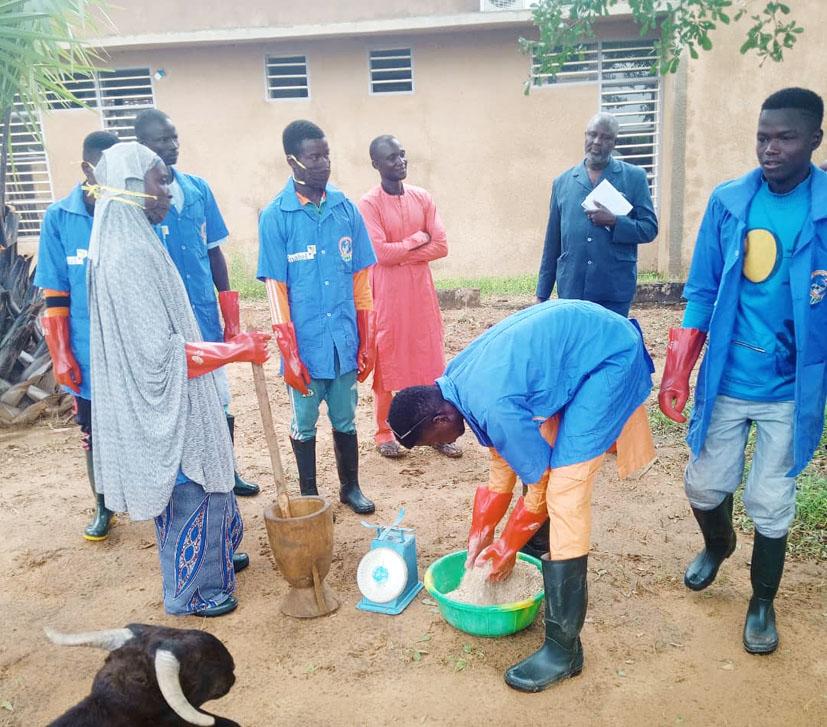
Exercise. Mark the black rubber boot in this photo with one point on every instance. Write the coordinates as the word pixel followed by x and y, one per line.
pixel 98 529
pixel 346 449
pixel 561 655
pixel 305 453
pixel 719 543
pixel 242 487
pixel 760 634
pixel 538 545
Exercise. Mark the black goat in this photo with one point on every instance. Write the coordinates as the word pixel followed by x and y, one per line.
pixel 152 677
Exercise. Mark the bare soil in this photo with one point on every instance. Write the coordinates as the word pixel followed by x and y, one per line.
pixel 656 653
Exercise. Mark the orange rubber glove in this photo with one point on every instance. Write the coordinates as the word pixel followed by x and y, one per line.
pixel 366 357
pixel 489 508
pixel 295 372
pixel 682 353
pixel 205 356
pixel 58 341
pixel 517 532
pixel 228 302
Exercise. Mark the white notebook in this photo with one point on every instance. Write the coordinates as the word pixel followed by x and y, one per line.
pixel 606 193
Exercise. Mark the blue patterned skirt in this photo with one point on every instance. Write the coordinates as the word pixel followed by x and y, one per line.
pixel 197 535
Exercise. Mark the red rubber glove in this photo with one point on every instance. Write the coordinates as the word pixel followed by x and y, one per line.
pixel 295 372
pixel 64 364
pixel 366 357
pixel 228 302
pixel 489 508
pixel 682 353
pixel 517 532
pixel 205 356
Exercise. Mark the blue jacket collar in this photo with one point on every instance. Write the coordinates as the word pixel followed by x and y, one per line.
pixel 736 195
pixel 581 174
pixel 289 202
pixel 73 202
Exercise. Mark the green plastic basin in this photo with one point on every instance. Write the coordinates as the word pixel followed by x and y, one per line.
pixel 501 620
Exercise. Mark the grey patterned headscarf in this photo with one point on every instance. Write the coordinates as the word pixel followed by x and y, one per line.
pixel 148 419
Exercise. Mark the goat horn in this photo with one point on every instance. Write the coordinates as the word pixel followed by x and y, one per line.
pixel 167 671
pixel 110 639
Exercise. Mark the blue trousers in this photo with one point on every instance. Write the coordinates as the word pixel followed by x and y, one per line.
pixel 341 396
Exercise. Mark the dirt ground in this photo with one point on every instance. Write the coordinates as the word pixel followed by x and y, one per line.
pixel 656 653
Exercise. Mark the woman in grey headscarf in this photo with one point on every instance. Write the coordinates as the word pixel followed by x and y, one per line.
pixel 164 450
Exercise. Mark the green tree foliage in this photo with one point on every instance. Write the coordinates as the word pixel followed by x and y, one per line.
pixel 680 25
pixel 41 46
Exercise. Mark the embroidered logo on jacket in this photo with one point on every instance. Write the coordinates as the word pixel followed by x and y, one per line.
pixel 346 248
pixel 818 286
pixel 308 254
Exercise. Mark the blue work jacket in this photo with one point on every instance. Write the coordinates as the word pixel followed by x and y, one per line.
pixel 316 253
pixel 61 265
pixel 715 280
pixel 569 357
pixel 188 236
pixel 590 262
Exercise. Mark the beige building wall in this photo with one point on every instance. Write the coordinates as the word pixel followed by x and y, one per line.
pixel 165 16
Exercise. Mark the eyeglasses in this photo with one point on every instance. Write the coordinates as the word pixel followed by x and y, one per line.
pixel 400 437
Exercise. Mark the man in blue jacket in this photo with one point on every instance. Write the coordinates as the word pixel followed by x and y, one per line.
pixel 193 232
pixel 593 255
pixel 756 290
pixel 548 391
pixel 61 273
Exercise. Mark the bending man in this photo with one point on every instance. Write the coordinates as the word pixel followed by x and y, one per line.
pixel 548 391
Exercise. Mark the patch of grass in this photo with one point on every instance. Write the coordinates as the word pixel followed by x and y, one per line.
pixel 517 285
pixel 244 280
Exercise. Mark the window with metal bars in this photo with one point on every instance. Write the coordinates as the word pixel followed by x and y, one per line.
pixel 630 89
pixel 391 71
pixel 28 181
pixel 287 77
pixel 123 94
pixel 120 95
pixel 83 86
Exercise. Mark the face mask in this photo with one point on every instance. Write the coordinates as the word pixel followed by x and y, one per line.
pixel 97 190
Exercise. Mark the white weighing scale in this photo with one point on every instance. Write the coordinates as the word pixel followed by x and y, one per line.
pixel 387 576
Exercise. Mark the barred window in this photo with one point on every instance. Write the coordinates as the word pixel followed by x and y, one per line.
pixel 391 71
pixel 84 86
pixel 630 89
pixel 287 77
pixel 28 181
pixel 124 94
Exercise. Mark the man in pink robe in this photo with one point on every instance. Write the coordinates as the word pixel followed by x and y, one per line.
pixel 407 234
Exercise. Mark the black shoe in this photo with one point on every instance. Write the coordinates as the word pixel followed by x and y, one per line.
pixel 561 655
pixel 242 488
pixel 719 544
pixel 346 449
pixel 760 634
pixel 538 545
pixel 224 607
pixel 98 529
pixel 240 562
pixel 305 453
